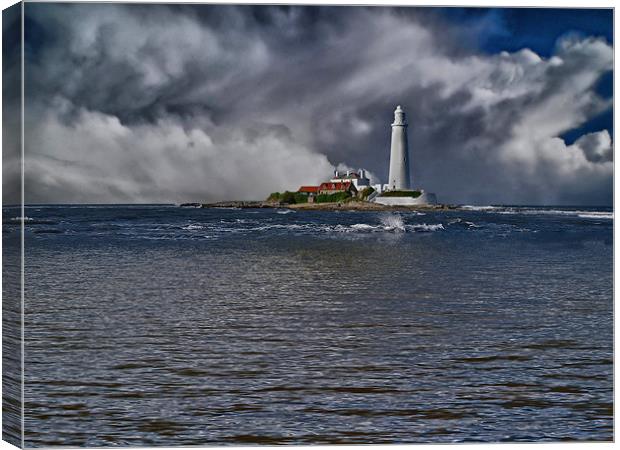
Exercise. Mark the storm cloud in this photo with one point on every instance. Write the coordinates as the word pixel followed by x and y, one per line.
pixel 172 103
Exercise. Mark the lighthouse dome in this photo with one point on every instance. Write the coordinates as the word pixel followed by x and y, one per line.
pixel 399 116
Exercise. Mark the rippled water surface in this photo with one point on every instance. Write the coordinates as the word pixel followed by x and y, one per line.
pixel 159 325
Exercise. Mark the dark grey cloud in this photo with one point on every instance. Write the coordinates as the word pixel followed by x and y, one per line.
pixel 196 102
pixel 11 104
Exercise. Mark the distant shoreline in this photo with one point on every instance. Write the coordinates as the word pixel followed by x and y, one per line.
pixel 336 206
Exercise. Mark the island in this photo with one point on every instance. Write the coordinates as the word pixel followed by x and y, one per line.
pixel 347 205
pixel 352 190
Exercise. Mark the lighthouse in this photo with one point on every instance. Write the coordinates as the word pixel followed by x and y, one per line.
pixel 399 153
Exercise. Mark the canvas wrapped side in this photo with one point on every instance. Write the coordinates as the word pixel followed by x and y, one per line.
pixel 12 232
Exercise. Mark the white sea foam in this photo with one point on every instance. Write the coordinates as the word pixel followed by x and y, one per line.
pixel 363 227
pixel 597 215
pixel 480 208
pixel 427 227
pixel 508 210
pixel 193 227
pixel 563 212
pixel 390 223
pixel 285 211
pixel 462 222
pixel 291 226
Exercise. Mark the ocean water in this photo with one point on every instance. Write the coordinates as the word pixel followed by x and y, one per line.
pixel 159 325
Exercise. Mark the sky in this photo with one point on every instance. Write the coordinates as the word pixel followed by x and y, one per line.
pixel 137 103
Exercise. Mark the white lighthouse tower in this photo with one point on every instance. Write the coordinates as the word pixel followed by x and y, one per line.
pixel 399 153
pixel 399 178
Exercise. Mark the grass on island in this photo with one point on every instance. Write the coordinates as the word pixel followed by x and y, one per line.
pixel 288 197
pixel 292 198
pixel 332 198
pixel 412 194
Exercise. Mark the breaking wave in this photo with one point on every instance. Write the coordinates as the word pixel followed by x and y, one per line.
pixel 464 223
pixel 480 208
pixel 28 221
pixel 363 227
pixel 19 219
pixel 597 215
pixel 193 227
pixel 514 210
pixel 389 224
pixel 425 227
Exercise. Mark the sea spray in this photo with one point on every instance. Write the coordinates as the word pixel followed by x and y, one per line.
pixel 392 222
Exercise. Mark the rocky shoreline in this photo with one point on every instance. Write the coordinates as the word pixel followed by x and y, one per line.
pixel 340 206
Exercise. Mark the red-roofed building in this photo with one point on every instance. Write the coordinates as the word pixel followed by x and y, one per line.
pixel 332 188
pixel 308 189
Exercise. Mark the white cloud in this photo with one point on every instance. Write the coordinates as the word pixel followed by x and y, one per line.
pixel 97 159
pixel 596 147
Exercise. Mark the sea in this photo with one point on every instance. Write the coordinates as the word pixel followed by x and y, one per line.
pixel 160 325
